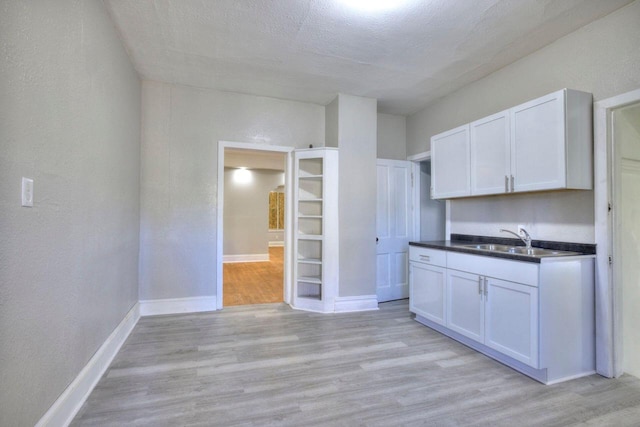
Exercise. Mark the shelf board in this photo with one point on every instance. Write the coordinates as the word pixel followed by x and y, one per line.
pixel 310 279
pixel 314 297
pixel 310 216
pixel 309 236
pixel 310 200
pixel 310 177
pixel 316 261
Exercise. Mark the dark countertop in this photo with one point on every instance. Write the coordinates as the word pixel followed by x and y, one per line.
pixel 458 242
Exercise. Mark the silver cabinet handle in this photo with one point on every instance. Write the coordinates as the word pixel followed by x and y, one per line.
pixel 512 184
pixel 506 184
pixel 425 257
pixel 480 286
pixel 486 289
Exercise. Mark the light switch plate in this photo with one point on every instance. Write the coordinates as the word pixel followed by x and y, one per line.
pixel 27 192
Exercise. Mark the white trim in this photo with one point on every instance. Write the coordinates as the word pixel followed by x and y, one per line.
pixel 276 244
pixel 156 307
pixel 425 155
pixel 447 220
pixel 65 408
pixel 250 146
pixel 415 200
pixel 416 191
pixel 245 258
pixel 608 333
pixel 355 303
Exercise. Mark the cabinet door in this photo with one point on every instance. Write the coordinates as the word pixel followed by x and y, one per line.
pixel 511 315
pixel 465 304
pixel 450 164
pixel 538 160
pixel 490 154
pixel 427 291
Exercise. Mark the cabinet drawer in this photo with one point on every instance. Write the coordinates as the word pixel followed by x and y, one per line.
pixel 428 256
pixel 499 268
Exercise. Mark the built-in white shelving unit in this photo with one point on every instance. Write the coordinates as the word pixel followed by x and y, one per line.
pixel 316 229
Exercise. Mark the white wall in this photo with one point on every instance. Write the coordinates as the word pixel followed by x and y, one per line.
pixel 246 211
pixel 602 58
pixel 392 137
pixel 70 119
pixel 356 139
pixel 332 122
pixel 181 129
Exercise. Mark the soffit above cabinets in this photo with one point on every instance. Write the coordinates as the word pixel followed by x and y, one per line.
pixel 308 50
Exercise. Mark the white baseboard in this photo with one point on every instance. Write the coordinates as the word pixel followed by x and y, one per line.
pixel 154 307
pixel 570 377
pixel 276 244
pixel 246 258
pixel 356 303
pixel 65 408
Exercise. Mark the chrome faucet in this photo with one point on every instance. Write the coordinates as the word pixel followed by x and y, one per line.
pixel 526 239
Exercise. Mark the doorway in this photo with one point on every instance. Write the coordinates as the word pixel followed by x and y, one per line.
pixel 617 215
pixel 394 228
pixel 252 250
pixel 405 212
pixel 626 272
pixel 432 211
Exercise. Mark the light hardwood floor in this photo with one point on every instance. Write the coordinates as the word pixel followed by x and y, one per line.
pixel 269 365
pixel 254 282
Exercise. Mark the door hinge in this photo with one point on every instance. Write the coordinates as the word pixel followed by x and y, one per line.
pixel 609 207
pixel 610 260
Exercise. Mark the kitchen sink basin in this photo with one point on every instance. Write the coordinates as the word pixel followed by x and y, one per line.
pixel 539 251
pixel 490 247
pixel 519 250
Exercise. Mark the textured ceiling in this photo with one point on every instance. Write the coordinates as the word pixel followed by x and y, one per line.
pixel 308 50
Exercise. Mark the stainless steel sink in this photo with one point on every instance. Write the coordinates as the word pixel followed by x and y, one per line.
pixel 519 250
pixel 490 247
pixel 539 252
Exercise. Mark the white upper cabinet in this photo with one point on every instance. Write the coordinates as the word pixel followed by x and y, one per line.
pixel 551 142
pixel 544 144
pixel 490 144
pixel 450 164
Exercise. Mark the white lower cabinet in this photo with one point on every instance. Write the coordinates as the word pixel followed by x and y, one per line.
pixel 537 318
pixel 427 290
pixel 499 314
pixel 465 305
pixel 511 320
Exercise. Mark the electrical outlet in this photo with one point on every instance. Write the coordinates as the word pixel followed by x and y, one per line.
pixel 27 192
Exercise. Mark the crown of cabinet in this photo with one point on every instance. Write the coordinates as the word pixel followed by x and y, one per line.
pixel 544 144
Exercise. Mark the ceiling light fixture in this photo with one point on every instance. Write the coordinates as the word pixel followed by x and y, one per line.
pixel 242 176
pixel 374 5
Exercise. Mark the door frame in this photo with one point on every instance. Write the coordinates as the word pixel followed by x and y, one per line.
pixel 288 217
pixel 608 293
pixel 416 159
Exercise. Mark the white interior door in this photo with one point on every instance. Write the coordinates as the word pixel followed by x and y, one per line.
pixel 393 224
